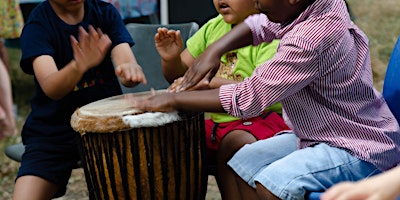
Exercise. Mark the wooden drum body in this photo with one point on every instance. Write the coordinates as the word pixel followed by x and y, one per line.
pixel 125 157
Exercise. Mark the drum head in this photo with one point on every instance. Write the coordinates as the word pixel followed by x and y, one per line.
pixel 107 115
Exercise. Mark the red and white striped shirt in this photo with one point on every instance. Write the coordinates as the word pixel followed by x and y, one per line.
pixel 322 75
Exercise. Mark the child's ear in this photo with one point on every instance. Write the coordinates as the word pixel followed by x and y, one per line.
pixel 294 2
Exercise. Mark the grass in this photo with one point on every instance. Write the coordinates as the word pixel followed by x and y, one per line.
pixel 380 20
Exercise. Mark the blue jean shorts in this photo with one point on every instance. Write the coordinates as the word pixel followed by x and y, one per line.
pixel 292 173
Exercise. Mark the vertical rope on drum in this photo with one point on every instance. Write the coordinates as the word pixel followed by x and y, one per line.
pixel 135 159
pixel 108 141
pixel 129 166
pixel 86 165
pixel 163 152
pixel 120 148
pixel 204 165
pixel 174 176
pixel 149 159
pixel 95 143
pixel 178 165
pixel 187 157
pixel 195 140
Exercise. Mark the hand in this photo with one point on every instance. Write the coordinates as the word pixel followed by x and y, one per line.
pixel 91 48
pixel 202 85
pixel 7 128
pixel 379 187
pixel 130 74
pixel 164 102
pixel 169 43
pixel 203 70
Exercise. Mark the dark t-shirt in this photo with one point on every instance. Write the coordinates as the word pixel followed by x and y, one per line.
pixel 46 34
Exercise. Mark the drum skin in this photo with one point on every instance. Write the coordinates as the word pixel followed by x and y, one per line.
pixel 162 162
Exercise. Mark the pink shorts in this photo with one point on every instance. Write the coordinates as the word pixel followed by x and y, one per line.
pixel 261 127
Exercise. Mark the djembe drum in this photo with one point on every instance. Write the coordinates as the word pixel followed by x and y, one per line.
pixel 128 154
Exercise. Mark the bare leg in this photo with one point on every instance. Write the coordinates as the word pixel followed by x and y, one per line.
pixel 264 193
pixel 246 191
pixel 33 187
pixel 225 176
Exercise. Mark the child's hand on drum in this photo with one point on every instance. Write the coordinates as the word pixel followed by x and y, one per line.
pixel 202 85
pixel 163 102
pixel 91 48
pixel 203 69
pixel 130 74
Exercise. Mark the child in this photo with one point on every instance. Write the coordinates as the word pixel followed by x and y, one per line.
pixel 7 118
pixel 342 127
pixel 385 186
pixel 67 74
pixel 224 134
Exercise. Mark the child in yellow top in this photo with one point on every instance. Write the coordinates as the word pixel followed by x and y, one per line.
pixel 224 134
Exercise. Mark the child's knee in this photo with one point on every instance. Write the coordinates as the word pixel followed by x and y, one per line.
pixel 235 140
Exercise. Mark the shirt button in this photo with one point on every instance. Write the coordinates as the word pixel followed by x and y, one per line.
pixel 247 123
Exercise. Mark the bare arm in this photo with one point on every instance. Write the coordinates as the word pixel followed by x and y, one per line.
pixel 385 186
pixel 217 82
pixel 87 54
pixel 174 60
pixel 127 69
pixel 208 62
pixel 7 124
pixel 199 100
pixel 175 69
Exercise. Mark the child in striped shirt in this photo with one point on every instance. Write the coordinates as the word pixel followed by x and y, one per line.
pixel 343 129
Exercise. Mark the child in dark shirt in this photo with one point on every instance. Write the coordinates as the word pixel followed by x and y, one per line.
pixel 71 48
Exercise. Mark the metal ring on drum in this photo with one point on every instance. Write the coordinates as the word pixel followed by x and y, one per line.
pixel 129 154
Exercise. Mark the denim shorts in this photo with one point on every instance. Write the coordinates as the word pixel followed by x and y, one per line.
pixel 292 173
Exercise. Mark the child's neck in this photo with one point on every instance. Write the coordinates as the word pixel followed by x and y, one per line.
pixel 69 17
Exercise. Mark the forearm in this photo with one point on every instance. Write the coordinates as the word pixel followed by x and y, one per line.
pixel 173 69
pixel 391 181
pixel 216 82
pixel 239 36
pixel 5 92
pixel 199 100
pixel 122 54
pixel 59 83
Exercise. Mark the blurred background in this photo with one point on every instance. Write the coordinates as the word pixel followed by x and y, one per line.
pixel 380 20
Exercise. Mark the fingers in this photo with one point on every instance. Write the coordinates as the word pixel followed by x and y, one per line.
pixel 99 40
pixel 174 86
pixel 130 74
pixel 93 33
pixel 83 38
pixel 75 44
pixel 161 34
pixel 94 39
pixel 164 33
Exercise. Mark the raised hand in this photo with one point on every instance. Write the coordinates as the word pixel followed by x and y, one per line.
pixel 169 43
pixel 91 48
